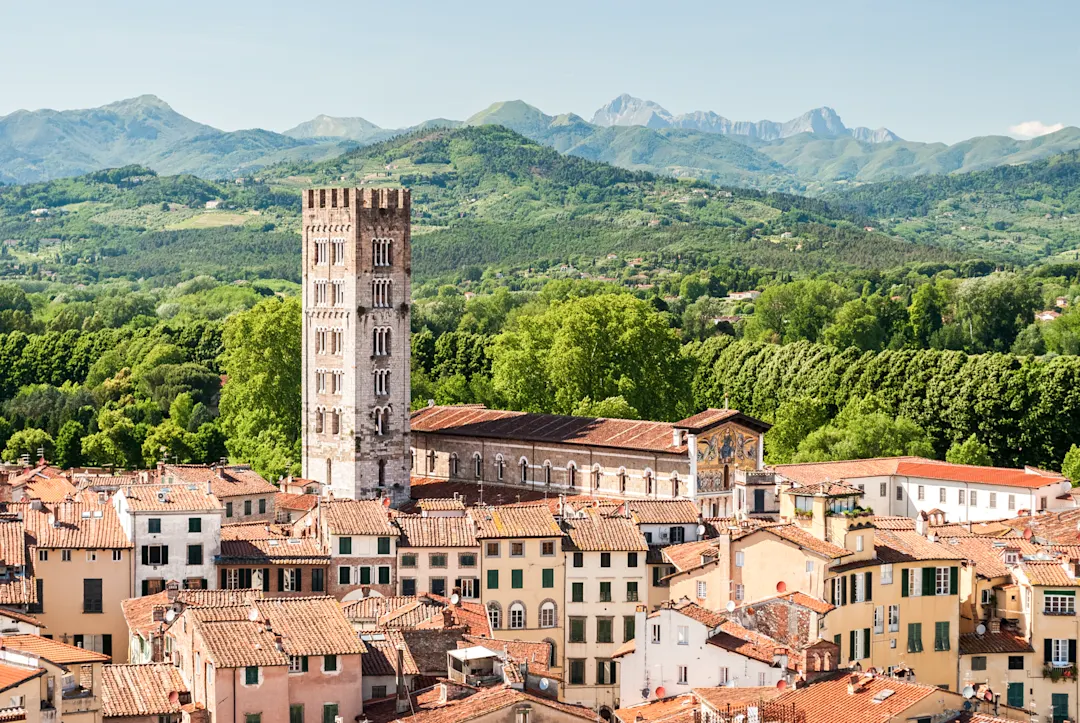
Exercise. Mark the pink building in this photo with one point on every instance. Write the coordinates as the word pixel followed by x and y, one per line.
pixel 274 660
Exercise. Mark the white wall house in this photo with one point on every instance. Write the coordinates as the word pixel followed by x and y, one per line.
pixel 176 531
pixel 682 646
pixel 906 486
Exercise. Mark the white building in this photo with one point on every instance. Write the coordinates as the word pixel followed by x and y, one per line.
pixel 176 531
pixel 682 646
pixel 906 486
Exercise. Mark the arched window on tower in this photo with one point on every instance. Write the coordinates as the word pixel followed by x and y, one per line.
pixel 674 484
pixel 596 476
pixel 431 460
pixel 478 466
pixel 453 464
pixel 499 466
pixel 571 474
pixel 524 470
pixel 648 482
pixel 547 473
pixel 622 480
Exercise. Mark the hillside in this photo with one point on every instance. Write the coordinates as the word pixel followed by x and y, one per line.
pixel 481 195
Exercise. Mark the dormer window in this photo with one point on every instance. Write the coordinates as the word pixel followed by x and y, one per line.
pixel 1012 557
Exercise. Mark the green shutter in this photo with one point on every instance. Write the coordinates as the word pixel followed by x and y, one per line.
pixel 492 579
pixel 517 579
pixel 1015 695
pixel 853 645
pixel 548 576
pixel 303 666
pixel 384 574
pixel 365 575
pixel 384 545
pixel 904 582
pixel 869 587
pixel 866 642
pixel 928 574
pixel 941 636
pixel 954 580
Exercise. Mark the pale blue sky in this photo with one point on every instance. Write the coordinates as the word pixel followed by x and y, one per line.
pixel 943 70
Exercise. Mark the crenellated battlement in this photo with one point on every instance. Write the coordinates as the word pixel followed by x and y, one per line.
pixel 381 198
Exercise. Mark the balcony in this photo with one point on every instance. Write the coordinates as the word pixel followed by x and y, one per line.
pixel 1059 613
pixel 82 701
pixel 48 714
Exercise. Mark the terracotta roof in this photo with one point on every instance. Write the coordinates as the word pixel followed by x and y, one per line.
pixel 49 489
pixel 291 551
pixel 21 590
pixel 422 488
pixel 670 710
pixel 909 546
pixel 988 643
pixel 710 417
pixel 720 698
pixel 802 538
pixel 830 489
pixel 1062 528
pixel 597 531
pixel 748 643
pixel 140 690
pixel 410 615
pixel 310 625
pixel 809 602
pixel 471 615
pixel 255 531
pixel 41 471
pixel 51 650
pixel 179 498
pixel 302 503
pixel 809 473
pixel 373 608
pixel 90 481
pixel 473 421
pixel 441 504
pixel 81 525
pixel 381 655
pixel 230 481
pixel 624 649
pixel 13 542
pixel 664 512
pixel 1028 477
pixel 139 611
pixel 1048 573
pixel 491 700
pixel 688 555
pixel 828 700
pixel 692 610
pixel 417 531
pixel 12 675
pixel 21 617
pixel 514 521
pixel 536 655
pixel 239 643
pixel 988 552
pixel 357 517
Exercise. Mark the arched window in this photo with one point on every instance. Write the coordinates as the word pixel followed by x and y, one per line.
pixel 382 472
pixel 499 464
pixel 524 464
pixel 596 474
pixel 453 464
pixel 674 484
pixel 382 420
pixel 648 482
pixel 553 655
pixel 547 473
pixel 548 614
pixel 478 465
pixel 431 460
pixel 494 615
pixel 622 479
pixel 517 616
pixel 571 474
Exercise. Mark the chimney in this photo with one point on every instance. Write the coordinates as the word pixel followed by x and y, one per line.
pixel 209 487
pixel 443 696
pixel 922 524
pixel 52 520
pixel 220 471
pixel 447 618
pixel 995 625
pixel 676 437
pixel 401 703
pixel 160 469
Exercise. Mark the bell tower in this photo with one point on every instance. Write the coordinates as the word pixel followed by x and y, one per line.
pixel 356 297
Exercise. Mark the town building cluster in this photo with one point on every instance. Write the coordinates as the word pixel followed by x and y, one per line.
pixel 458 563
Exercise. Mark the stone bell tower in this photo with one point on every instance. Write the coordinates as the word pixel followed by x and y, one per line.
pixel 356 296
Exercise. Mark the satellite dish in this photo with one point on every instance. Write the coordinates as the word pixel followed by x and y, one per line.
pixel 781 586
pixel 967 705
pixel 170 615
pixel 660 692
pixel 781 684
pixel 981 629
pixel 544 684
pixel 701 530
pixel 253 614
pixel 968 692
pixel 455 599
pixel 730 607
pixel 988 695
pixel 645 692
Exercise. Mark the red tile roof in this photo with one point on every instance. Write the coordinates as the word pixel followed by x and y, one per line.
pixel 664 512
pixel 51 650
pixel 711 417
pixel 177 498
pixel 422 488
pixel 441 504
pixel 721 697
pixel 12 675
pixel 669 710
pixel 381 655
pixel 830 489
pixel 417 531
pixel 692 610
pixel 492 700
pixel 749 643
pixel 302 503
pixel 291 551
pixel 1048 574
pixel 817 472
pixel 805 540
pixel 809 602
pixel 140 690
pixel 988 643
pixel 230 481
pixel 514 521
pixel 473 421
pixel 598 531
pixel 357 517
pixel 79 525
pixel 828 700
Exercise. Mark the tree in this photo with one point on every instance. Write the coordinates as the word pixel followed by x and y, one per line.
pixel 970 451
pixel 69 444
pixel 31 442
pixel 181 409
pixel 795 311
pixel 864 429
pixel 991 310
pixel 795 420
pixel 116 442
pixel 167 441
pixel 260 402
pixel 1070 466
pixel 924 314
pixel 612 407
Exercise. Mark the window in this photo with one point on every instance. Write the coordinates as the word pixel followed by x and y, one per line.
pixel 971 498
pixel 547 548
pixel 978 662
pixel 524 469
pixel 899 493
pixel 960 496
pixel 740 592
pixel 91 555
pixel 329 663
pixel 858 543
pixel 194 524
pixel 329 712
pixel 492 549
pixel 883 491
pixel 517 549
pixel 879 620
pixel 470 587
pixel 1012 502
pixel 408 586
pixel 117 555
pixel 344 545
pixel 478 463
pixel 494 615
pixel 993 499
pixel 43 555
pixel 577 672
pixel 702 589
pixel 914 638
pixel 577 630
pixel 153 526
pixel 194 555
pixel 914 576
pixel 384 574
pixel 517 616
pixel 577 592
pixel 579 559
pixel 466 559
pixel 740 558
pixel 547 577
pixel 628 627
pixel 683 635
pixel 605 559
pixel 894 618
pixel 605 592
pixel 547 614
pixel 631 559
pixel 298 664
pixel 941 580
pixel 631 591
pixel 922 492
pixel 92 598
pixel 296 713
pixel 1016 662
pixel 941 636
pixel 655 633
pixel 151 554
pixel 517 579
pixel 1059 603
pixel 251 675
pixel 941 495
pixel 384 546
pixel 809 565
pixel 252 717
pixel 682 675
pixel 604 632
pixel 380 251
pixel 318 582
pixel 1059 651
pixel 437 559
pixel 344 575
pixel 492 579
pixel 678 535
pixel 289 580
pixel 858 588
pixel 247 507
pixel 408 560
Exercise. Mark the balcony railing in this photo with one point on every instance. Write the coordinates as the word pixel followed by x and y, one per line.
pixel 80 704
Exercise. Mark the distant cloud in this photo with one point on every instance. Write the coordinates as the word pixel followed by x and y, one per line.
pixel 1034 129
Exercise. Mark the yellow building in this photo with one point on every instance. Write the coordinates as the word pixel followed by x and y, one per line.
pixel 67 687
pixel 521 573
pixel 83 570
pixel 999 659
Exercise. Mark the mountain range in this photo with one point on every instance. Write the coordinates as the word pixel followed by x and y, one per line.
pixel 812 153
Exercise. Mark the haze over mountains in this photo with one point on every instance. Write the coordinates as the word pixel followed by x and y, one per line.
pixel 811 153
